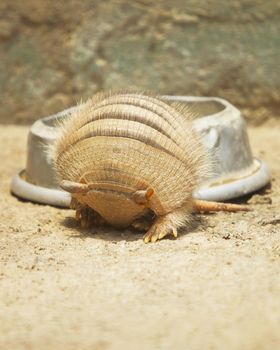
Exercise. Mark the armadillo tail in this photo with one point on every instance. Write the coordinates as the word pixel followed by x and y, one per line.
pixel 206 206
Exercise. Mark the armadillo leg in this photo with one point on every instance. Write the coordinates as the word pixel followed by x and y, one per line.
pixel 75 204
pixel 141 224
pixel 144 222
pixel 88 217
pixel 168 224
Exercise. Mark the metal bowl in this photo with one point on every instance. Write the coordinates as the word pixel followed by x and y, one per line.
pixel 236 172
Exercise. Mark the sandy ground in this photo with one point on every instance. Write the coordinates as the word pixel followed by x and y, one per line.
pixel 217 287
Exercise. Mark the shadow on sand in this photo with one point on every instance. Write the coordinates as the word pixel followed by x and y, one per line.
pixel 109 233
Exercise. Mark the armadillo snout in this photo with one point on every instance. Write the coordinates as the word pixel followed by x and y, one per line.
pixel 118 207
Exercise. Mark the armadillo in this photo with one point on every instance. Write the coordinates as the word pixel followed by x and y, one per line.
pixel 133 159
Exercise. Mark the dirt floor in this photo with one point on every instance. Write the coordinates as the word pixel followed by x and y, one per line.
pixel 216 287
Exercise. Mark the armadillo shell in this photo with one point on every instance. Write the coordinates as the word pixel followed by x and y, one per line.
pixel 132 141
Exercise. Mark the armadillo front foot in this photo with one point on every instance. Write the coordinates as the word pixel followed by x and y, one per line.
pixel 88 217
pixel 159 230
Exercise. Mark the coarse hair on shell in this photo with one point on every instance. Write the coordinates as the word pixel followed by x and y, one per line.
pixel 124 155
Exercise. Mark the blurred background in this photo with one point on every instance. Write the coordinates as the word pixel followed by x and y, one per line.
pixel 55 53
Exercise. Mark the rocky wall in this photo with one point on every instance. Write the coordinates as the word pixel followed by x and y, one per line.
pixel 55 53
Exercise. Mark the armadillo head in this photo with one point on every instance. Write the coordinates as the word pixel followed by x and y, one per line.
pixel 118 209
pixel 118 206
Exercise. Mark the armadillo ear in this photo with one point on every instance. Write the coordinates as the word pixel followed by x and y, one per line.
pixel 142 196
pixel 149 193
pixel 74 187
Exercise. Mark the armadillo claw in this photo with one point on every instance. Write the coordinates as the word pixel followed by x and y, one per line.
pixel 159 231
